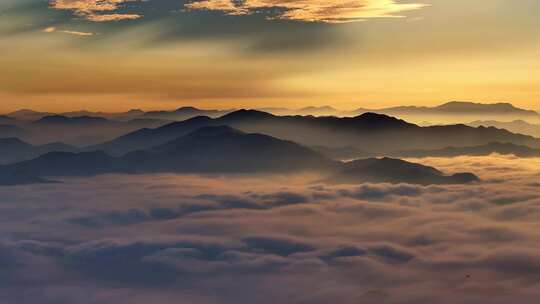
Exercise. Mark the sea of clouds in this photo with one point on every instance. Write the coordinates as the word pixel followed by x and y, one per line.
pixel 274 239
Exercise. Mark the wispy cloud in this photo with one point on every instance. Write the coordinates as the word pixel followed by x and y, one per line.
pixel 95 10
pixel 53 29
pixel 327 11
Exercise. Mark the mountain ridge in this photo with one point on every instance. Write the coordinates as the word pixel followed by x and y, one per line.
pixel 370 132
pixel 215 149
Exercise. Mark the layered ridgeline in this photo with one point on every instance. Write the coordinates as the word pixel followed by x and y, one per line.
pixel 374 134
pixel 15 150
pixel 182 113
pixel 222 149
pixel 516 126
pixel 76 130
pixel 456 111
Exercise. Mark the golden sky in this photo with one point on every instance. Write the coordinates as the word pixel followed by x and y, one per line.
pixel 119 54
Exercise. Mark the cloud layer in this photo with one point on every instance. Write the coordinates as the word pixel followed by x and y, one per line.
pixel 246 239
pixel 327 11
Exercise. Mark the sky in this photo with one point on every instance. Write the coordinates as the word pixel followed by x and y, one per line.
pixel 114 55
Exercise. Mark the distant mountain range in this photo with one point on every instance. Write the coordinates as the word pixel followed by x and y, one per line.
pixel 369 132
pixel 26 115
pixel 222 149
pixel 184 113
pixel 171 115
pixel 482 150
pixel 516 126
pixel 455 109
pixel 313 111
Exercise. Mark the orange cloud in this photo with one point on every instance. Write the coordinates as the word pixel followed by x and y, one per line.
pixel 93 10
pixel 327 11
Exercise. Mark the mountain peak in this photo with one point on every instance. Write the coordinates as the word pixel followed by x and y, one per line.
pixel 381 120
pixel 244 114
pixel 188 109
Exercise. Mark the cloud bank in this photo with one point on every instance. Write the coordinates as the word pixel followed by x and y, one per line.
pixel 246 239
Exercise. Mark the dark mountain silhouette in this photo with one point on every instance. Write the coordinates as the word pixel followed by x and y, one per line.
pixel 388 170
pixel 373 133
pixel 516 126
pixel 223 149
pixel 219 149
pixel 184 113
pixel 15 150
pixel 147 138
pixel 500 148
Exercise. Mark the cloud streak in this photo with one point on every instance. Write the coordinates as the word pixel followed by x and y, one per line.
pixel 52 29
pixel 326 11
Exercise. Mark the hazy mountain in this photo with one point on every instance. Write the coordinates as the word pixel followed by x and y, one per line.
pixel 373 133
pixel 147 138
pixel 341 153
pixel 500 148
pixel 390 170
pixel 455 111
pixel 223 149
pixel 83 130
pixel 184 113
pixel 517 126
pixel 15 150
pixel 212 149
pixel 121 116
pixel 64 121
pixel 6 120
pixel 313 111
pixel 11 131
pixel 220 149
pixel 28 115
